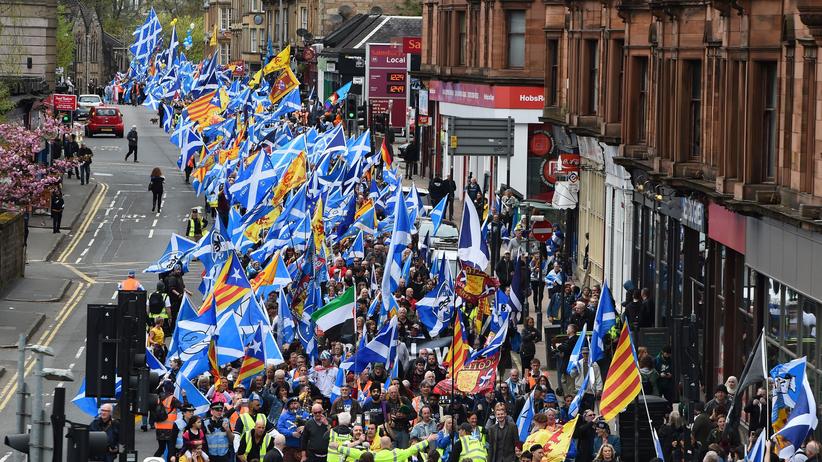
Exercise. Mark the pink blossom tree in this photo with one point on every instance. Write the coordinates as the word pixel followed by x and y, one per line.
pixel 23 180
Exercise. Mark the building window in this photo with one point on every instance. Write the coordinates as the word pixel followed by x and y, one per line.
pixel 640 112
pixel 256 5
pixel 694 86
pixel 253 45
pixel 616 81
pixel 516 39
pixel 225 18
pixel 225 53
pixel 463 45
pixel 262 40
pixel 277 25
pixel 553 72
pixel 304 17
pixel 592 70
pixel 769 118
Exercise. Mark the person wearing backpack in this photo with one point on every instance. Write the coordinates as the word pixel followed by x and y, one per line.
pixel 164 415
pixel 159 307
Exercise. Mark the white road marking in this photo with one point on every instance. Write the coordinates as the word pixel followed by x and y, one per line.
pixel 107 211
pixel 71 366
pixel 100 225
pixel 5 457
pixel 102 174
pixel 154 223
pixel 79 352
pixel 78 260
pixel 114 295
pixel 84 252
pixel 90 242
pixel 95 233
pixel 151 234
pixel 112 203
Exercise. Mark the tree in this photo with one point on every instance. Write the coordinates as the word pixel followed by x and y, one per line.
pixel 22 179
pixel 195 53
pixel 65 40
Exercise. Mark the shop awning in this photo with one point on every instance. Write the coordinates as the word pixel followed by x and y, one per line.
pixel 566 195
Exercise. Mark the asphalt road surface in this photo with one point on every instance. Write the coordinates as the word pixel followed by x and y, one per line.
pixel 118 233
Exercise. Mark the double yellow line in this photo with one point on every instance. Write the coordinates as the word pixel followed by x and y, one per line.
pixel 81 230
pixel 45 339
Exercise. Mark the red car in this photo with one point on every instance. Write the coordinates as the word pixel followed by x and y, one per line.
pixel 104 119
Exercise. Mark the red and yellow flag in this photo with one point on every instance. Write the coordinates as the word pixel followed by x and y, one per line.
pixel 212 360
pixel 318 225
pixel 294 176
pixel 459 348
pixel 558 444
pixel 278 62
pixel 623 383
pixel 286 82
pixel 385 154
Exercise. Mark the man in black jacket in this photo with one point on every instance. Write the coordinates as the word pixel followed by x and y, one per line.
pixel 314 441
pixel 757 411
pixel 450 189
pixel 495 239
pixel 504 270
pixel 585 434
pixel 436 190
pixel 132 143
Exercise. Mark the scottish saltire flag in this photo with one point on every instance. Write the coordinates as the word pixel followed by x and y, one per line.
pixel 526 416
pixel 400 238
pixel 787 379
pixel 168 117
pixel 172 48
pixel 192 333
pixel 658 446
pixel 380 350
pixel 176 250
pixel 255 316
pixel 494 345
pixel 436 309
pixel 573 408
pixel 290 103
pixel 603 322
pixel 424 248
pixel 340 94
pixel 192 146
pixel 88 405
pixel 178 137
pixel 755 454
pixel 250 191
pixel 801 421
pixel 359 149
pixel 285 324
pixel 357 249
pixel 153 364
pixel 229 337
pixel 576 353
pixel 339 381
pixel 414 203
pixel 192 395
pixel 146 37
pixel 473 249
pixel 437 214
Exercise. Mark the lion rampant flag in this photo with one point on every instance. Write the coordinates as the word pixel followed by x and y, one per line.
pixel 286 82
pixel 294 176
pixel 556 448
pixel 278 62
pixel 318 226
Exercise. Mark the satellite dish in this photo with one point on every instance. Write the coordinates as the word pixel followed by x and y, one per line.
pixel 301 32
pixel 375 10
pixel 335 18
pixel 346 11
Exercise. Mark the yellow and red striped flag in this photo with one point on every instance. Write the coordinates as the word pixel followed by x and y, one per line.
pixel 387 158
pixel 212 360
pixel 458 352
pixel 623 383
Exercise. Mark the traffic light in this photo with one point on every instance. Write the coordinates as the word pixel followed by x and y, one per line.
pixel 380 122
pixel 147 382
pixel 362 118
pixel 83 444
pixel 65 118
pixel 18 442
pixel 351 107
pixel 131 361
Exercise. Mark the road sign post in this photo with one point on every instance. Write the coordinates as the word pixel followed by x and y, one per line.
pixel 542 230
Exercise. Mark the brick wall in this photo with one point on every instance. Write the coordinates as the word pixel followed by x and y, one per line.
pixel 12 255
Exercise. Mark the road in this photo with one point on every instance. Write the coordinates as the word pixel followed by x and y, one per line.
pixel 118 233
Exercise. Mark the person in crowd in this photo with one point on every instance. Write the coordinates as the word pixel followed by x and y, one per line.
pixel 132 143
pixel 502 436
pixel 105 422
pixel 84 155
pixel 155 185
pixel 58 204
pixel 530 337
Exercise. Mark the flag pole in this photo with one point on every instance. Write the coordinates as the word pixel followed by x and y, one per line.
pixel 765 371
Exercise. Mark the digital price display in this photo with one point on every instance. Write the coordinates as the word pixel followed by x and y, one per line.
pixel 396 77
pixel 396 89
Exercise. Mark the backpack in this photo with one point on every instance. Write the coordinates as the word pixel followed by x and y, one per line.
pixel 156 302
pixel 160 413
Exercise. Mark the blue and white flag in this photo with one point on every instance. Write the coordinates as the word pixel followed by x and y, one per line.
pixel 168 117
pixel 175 253
pixel 357 249
pixel 192 333
pixel 573 408
pixel 603 322
pixel 339 382
pixel 193 396
pixel 526 416
pixel 146 37
pixel 436 309
pixel 154 364
pixel 576 353
pixel 787 384
pixel 495 344
pixel 379 350
pixel 192 146
pixel 285 324
pixel 658 446
pixel 88 405
pixel 473 249
pixel 801 421
pixel 437 214
pixel 400 238
pixel 290 103
pixel 755 454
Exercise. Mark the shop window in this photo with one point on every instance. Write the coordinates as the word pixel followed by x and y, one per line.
pixel 516 39
pixel 552 90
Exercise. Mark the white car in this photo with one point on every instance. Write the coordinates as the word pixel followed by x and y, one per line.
pixel 89 101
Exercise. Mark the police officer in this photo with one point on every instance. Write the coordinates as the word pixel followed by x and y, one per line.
pixel 218 434
pixel 255 442
pixel 159 306
pixel 469 446
pixel 180 426
pixel 341 434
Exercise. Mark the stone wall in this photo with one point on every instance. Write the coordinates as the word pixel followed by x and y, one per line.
pixel 28 30
pixel 12 253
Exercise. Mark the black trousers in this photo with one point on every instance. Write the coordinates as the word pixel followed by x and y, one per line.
pixel 162 446
pixel 56 219
pixel 85 173
pixel 156 200
pixel 132 149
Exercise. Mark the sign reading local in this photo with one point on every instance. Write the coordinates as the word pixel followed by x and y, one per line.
pixel 387 76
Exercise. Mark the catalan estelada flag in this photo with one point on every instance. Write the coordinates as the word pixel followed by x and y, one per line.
pixel 212 360
pixel 623 383
pixel 202 108
pixel 458 352
pixel 385 153
pixel 231 286
pixel 253 360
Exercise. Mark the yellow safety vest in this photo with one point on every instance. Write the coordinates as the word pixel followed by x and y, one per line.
pixel 249 440
pixel 334 454
pixel 249 422
pixel 472 449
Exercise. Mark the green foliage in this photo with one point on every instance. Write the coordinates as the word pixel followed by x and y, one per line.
pixel 195 54
pixel 6 103
pixel 65 41
pixel 410 8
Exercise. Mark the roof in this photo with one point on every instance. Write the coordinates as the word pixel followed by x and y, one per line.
pixel 111 40
pixel 354 34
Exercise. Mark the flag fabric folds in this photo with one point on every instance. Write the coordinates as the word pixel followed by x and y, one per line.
pixel 603 322
pixel 473 249
pixel 336 312
pixel 623 383
pixel 254 360
pixel 801 421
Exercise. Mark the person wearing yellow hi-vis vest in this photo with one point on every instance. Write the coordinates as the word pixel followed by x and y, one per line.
pixel 386 453
pixel 467 446
pixel 341 434
pixel 255 442
pixel 196 225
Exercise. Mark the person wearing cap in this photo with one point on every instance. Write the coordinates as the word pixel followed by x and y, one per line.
pixel 165 429
pixel 180 426
pixel 718 405
pixel 291 424
pixel 255 443
pixel 196 225
pixel 604 436
pixel 132 143
pixel 218 435
pixel 130 282
pixel 594 389
pixel 345 403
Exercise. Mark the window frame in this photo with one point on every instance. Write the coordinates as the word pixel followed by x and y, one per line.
pixel 510 34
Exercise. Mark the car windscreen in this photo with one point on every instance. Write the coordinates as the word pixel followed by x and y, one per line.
pixel 106 112
pixel 89 99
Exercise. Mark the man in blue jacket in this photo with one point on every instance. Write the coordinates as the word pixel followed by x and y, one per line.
pixel 291 425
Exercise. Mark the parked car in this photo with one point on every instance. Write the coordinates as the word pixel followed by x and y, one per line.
pixel 447 236
pixel 84 105
pixel 105 119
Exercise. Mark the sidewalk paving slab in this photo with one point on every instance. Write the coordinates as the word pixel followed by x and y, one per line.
pixel 39 290
pixel 76 196
pixel 13 322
